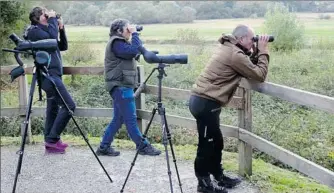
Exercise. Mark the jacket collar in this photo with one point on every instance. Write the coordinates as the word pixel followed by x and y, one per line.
pixel 228 38
pixel 231 39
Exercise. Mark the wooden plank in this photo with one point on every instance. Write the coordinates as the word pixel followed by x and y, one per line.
pixel 298 96
pixel 228 131
pixel 79 112
pixel 11 112
pixel 140 100
pixel 5 70
pixel 182 94
pixel 67 70
pixel 301 164
pixel 23 104
pixel 245 121
pixel 84 70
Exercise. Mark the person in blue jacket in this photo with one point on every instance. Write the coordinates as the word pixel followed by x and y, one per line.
pixel 45 25
pixel 120 70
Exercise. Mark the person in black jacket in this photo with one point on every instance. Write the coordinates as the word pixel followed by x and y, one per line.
pixel 45 25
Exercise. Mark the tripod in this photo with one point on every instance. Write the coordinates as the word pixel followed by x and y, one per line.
pixel 166 133
pixel 38 73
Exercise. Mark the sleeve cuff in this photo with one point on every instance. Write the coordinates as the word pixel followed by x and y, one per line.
pixel 52 19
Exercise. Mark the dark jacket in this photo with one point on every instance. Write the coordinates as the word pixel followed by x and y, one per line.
pixel 126 50
pixel 120 66
pixel 41 32
pixel 228 64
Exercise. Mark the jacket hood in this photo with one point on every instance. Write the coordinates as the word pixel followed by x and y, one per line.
pixel 229 38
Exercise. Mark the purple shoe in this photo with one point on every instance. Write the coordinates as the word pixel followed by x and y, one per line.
pixel 58 145
pixel 50 150
pixel 53 146
pixel 61 144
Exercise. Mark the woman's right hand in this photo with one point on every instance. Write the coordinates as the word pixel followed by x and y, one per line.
pixel 132 28
pixel 51 13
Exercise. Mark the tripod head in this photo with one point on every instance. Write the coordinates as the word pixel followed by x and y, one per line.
pixel 39 50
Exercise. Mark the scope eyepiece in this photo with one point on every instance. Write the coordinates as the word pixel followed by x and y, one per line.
pixel 15 38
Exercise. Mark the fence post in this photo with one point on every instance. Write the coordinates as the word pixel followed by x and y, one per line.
pixel 245 122
pixel 23 104
pixel 140 100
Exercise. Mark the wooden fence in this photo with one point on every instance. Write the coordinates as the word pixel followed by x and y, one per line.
pixel 241 101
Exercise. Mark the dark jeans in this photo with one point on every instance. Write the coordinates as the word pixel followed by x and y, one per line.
pixel 124 112
pixel 210 138
pixel 57 116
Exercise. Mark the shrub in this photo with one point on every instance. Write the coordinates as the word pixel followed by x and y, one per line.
pixel 287 29
pixel 324 16
pixel 79 53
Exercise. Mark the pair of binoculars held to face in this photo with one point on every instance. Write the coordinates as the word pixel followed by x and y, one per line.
pixel 256 38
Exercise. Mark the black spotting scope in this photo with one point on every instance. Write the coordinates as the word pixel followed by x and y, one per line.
pixel 152 57
pixel 41 45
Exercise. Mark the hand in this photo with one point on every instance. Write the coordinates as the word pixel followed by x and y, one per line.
pixel 51 13
pixel 254 49
pixel 132 28
pixel 263 43
pixel 60 23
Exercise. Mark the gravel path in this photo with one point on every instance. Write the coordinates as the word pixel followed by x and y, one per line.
pixel 78 171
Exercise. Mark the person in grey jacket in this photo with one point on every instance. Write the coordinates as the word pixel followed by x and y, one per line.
pixel 120 70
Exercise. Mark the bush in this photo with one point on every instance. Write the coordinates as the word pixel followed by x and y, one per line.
pixel 187 36
pixel 324 16
pixel 78 54
pixel 287 29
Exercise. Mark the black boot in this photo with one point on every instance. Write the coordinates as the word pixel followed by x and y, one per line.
pixel 226 181
pixel 206 185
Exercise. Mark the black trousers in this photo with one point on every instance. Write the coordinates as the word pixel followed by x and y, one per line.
pixel 57 116
pixel 210 138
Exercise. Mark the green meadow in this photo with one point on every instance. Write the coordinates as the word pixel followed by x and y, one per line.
pixel 207 29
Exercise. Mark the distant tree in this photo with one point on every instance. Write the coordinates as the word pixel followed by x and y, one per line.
pixel 59 7
pixel 148 12
pixel 91 14
pixel 76 13
pixel 189 14
pixel 13 17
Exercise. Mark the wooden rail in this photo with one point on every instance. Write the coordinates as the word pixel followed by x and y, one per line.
pixel 241 101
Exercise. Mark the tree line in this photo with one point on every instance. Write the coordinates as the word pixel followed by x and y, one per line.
pixel 150 12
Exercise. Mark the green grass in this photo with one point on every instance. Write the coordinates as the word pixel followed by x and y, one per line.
pixel 209 30
pixel 268 178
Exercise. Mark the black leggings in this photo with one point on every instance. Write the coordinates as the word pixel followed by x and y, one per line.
pixel 210 138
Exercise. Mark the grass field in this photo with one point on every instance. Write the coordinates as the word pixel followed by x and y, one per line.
pixel 209 30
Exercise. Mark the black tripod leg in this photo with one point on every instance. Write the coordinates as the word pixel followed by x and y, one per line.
pixel 76 124
pixel 26 122
pixel 169 137
pixel 165 137
pixel 90 147
pixel 141 142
